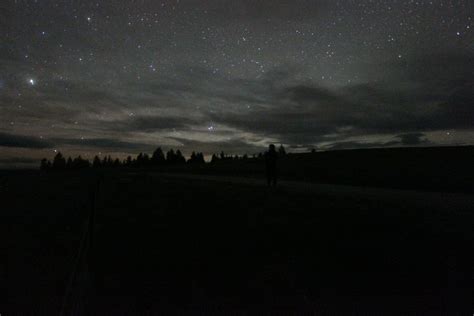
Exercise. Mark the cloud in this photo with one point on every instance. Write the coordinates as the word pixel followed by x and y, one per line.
pixel 77 92
pixel 418 96
pixel 231 146
pixel 413 139
pixel 21 141
pixel 307 111
pixel 360 145
pixel 104 143
pixel 148 124
pixel 409 139
pixel 18 160
pixel 314 94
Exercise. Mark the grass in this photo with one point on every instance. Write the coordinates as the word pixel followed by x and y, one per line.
pixel 165 244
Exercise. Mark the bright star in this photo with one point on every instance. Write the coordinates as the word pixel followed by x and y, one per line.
pixel 32 81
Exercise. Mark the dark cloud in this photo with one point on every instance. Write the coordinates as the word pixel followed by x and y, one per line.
pixel 103 143
pixel 18 160
pixel 360 145
pixel 409 139
pixel 22 141
pixel 310 94
pixel 149 124
pixel 115 75
pixel 412 139
pixel 233 146
pixel 312 111
pixel 77 92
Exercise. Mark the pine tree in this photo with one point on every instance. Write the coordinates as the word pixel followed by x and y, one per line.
pixel 69 163
pixel 170 156
pixel 96 162
pixel 179 157
pixel 158 158
pixel 59 163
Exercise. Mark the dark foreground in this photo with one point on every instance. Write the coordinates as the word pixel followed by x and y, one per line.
pixel 163 244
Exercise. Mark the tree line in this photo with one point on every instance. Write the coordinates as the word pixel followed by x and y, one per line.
pixel 158 158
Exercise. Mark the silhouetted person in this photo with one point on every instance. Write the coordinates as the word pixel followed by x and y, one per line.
pixel 281 151
pixel 271 157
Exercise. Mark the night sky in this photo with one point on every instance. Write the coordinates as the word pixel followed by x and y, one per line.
pixel 121 77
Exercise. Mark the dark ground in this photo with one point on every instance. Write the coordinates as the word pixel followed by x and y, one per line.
pixel 191 244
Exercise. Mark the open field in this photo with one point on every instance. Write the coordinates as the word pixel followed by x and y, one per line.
pixel 190 243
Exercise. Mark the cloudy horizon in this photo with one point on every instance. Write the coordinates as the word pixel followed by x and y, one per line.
pixel 107 78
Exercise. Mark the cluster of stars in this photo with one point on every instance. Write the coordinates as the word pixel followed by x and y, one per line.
pixel 102 49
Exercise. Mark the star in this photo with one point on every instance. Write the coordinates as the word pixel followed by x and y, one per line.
pixel 164 59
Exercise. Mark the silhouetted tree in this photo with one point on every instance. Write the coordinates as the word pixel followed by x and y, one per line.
pixel 179 157
pixel 222 155
pixel 192 159
pixel 158 158
pixel 96 162
pixel 200 158
pixel 80 163
pixel 74 164
pixel 196 158
pixel 69 163
pixel 59 163
pixel 128 161
pixel 170 156
pixel 117 163
pixel 109 161
pixel 146 160
pixel 139 162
